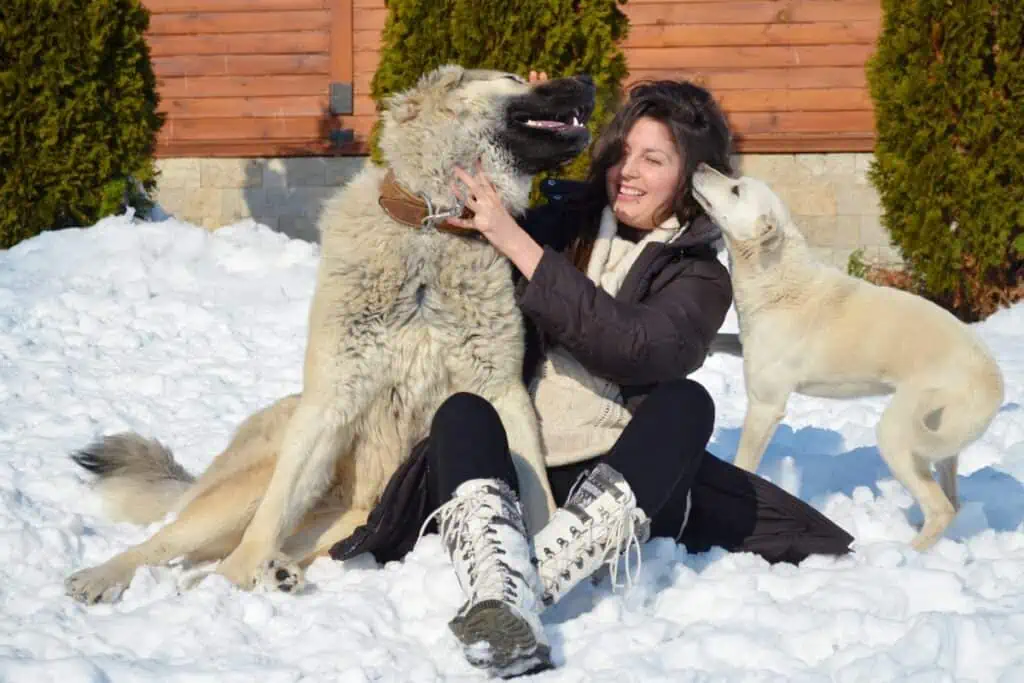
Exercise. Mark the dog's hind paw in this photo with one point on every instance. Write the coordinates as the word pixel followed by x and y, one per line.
pixel 283 574
pixel 97 584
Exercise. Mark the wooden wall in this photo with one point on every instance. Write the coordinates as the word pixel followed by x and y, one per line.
pixel 242 77
pixel 248 77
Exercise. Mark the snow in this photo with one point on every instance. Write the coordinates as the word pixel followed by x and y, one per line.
pixel 178 333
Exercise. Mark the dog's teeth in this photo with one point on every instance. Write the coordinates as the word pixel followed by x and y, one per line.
pixel 575 121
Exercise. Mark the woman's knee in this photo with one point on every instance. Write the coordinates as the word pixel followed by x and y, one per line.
pixel 465 411
pixel 684 397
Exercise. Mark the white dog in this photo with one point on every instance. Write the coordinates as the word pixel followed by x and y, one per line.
pixel 809 328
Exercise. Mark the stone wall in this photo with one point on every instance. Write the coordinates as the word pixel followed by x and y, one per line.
pixel 829 195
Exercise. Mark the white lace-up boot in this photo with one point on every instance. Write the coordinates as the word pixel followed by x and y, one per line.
pixel 598 524
pixel 499 625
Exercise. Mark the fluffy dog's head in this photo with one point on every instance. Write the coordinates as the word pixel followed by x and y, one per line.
pixel 455 116
pixel 745 208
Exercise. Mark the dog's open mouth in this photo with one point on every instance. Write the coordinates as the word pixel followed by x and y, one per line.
pixel 577 118
pixel 559 106
pixel 547 127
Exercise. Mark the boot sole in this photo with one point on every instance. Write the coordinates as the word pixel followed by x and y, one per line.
pixel 498 639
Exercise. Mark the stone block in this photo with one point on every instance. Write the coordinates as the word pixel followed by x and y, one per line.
pixel 857 200
pixel 299 227
pixel 809 199
pixel 840 165
pixel 228 173
pixel 178 173
pixel 873 233
pixel 340 170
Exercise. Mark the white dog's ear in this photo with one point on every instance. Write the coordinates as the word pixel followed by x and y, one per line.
pixel 404 107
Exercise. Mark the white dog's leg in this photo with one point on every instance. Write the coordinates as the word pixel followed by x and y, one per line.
pixel 758 426
pixel 519 418
pixel 316 436
pixel 946 470
pixel 897 442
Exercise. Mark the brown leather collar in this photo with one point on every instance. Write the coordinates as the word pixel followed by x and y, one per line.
pixel 409 209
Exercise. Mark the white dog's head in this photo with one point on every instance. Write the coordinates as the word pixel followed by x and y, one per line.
pixel 745 208
pixel 455 116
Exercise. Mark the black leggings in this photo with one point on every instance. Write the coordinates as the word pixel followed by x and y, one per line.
pixel 661 453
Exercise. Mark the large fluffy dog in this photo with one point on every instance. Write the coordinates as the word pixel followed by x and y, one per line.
pixel 812 329
pixel 404 314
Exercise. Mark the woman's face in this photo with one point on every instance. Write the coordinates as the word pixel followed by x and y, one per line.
pixel 642 184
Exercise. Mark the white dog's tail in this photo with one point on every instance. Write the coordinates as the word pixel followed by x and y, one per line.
pixel 138 480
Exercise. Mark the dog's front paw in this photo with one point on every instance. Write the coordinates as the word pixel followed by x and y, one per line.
pixel 97 584
pixel 283 574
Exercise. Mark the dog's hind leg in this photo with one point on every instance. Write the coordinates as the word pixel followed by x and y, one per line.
pixel 758 426
pixel 321 531
pixel 318 434
pixel 900 446
pixel 208 527
pixel 946 470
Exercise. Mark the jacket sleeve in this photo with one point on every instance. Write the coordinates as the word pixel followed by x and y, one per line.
pixel 665 337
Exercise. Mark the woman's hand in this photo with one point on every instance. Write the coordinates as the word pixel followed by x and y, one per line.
pixel 492 220
pixel 490 215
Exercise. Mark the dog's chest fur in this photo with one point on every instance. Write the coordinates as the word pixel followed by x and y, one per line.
pixel 425 314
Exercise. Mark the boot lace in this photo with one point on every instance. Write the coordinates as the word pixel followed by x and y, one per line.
pixel 607 532
pixel 469 526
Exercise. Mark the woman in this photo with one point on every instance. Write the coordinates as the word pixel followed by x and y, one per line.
pixel 623 293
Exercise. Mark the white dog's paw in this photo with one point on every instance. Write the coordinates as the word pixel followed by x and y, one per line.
pixel 97 584
pixel 281 573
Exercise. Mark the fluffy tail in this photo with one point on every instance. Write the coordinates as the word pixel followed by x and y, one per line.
pixel 727 343
pixel 138 479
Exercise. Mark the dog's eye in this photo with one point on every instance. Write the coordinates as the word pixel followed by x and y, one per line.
pixel 736 190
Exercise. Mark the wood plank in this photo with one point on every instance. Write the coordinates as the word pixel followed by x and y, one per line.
pixel 749 57
pixel 370 19
pixel 365 62
pixel 257 137
pixel 197 23
pixel 823 33
pixel 366 40
pixel 260 85
pixel 165 6
pixel 240 65
pixel 795 143
pixel 238 128
pixel 802 122
pixel 245 107
pixel 748 12
pixel 370 4
pixel 741 79
pixel 289 42
pixel 778 99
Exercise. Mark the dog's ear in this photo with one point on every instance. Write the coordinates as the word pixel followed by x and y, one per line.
pixel 405 106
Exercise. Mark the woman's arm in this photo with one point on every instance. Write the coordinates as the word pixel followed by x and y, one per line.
pixel 667 336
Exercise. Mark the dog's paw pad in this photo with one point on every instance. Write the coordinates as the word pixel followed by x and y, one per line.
pixel 282 574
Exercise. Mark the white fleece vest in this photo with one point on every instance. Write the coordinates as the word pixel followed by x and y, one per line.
pixel 581 415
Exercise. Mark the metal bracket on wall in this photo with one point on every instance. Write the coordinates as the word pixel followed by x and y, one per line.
pixel 340 103
pixel 340 96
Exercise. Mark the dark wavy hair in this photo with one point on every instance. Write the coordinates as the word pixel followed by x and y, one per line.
pixel 698 128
